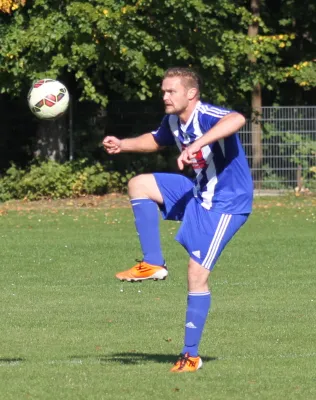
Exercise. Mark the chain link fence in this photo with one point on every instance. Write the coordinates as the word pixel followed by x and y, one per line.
pixel 285 157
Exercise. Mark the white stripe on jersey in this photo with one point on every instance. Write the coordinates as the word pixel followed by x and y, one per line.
pixel 222 145
pixel 216 113
pixel 213 111
pixel 173 124
pixel 196 126
pixel 217 238
pixel 208 192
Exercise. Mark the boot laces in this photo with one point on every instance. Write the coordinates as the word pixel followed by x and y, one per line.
pixel 140 265
pixel 185 359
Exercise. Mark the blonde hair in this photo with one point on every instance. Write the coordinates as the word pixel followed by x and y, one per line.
pixel 189 77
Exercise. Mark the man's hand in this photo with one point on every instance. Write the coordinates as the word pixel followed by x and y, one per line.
pixel 188 155
pixel 112 144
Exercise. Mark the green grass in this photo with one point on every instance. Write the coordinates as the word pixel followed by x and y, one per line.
pixel 69 330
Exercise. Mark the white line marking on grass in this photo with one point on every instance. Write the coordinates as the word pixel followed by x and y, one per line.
pixel 10 363
pixel 71 362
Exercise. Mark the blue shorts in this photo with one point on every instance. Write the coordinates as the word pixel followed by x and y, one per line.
pixel 203 233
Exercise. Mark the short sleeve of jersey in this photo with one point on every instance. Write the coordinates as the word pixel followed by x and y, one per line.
pixel 163 135
pixel 210 115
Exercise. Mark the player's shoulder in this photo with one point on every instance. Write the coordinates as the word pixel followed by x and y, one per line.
pixel 167 118
pixel 170 120
pixel 208 109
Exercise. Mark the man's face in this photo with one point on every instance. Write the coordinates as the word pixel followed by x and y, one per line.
pixel 175 95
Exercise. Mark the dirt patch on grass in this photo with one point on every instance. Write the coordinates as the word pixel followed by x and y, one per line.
pixel 103 202
pixel 115 200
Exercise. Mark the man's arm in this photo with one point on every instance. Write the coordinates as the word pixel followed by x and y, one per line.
pixel 225 127
pixel 141 144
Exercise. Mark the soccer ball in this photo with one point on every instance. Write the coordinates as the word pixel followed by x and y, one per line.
pixel 48 99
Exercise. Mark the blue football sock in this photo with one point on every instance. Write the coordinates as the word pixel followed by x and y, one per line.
pixel 147 225
pixel 197 311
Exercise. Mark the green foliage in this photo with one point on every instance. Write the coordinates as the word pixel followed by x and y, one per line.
pixel 299 148
pixel 123 47
pixel 271 180
pixel 299 59
pixel 53 180
pixel 304 74
pixel 294 151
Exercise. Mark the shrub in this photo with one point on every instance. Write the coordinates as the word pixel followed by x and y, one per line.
pixel 52 180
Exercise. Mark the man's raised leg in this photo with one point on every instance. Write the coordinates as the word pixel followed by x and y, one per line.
pixel 144 196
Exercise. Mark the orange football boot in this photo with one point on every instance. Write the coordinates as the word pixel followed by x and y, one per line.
pixel 186 363
pixel 143 271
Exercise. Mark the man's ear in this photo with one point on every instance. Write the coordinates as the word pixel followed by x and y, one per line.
pixel 192 93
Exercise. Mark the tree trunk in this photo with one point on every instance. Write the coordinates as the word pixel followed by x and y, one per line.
pixel 256 108
pixel 256 136
pixel 51 142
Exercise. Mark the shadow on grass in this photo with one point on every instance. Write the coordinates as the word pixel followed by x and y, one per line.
pixel 139 358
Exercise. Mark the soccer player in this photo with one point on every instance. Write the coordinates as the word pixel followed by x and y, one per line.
pixel 212 208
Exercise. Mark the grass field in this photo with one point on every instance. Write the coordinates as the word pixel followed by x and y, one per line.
pixel 69 330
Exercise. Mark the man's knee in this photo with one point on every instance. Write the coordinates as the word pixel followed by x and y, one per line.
pixel 139 185
pixel 134 183
pixel 197 276
pixel 144 186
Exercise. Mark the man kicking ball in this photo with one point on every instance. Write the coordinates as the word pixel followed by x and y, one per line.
pixel 212 208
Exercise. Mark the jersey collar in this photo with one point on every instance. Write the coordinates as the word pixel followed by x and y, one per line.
pixel 185 126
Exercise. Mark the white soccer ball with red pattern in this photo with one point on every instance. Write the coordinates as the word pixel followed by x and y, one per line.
pixel 48 99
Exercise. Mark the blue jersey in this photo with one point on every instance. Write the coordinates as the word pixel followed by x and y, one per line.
pixel 223 180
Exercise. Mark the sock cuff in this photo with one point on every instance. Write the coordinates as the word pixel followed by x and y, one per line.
pixel 141 199
pixel 199 293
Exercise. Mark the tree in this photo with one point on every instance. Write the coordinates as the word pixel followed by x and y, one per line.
pixel 294 20
pixel 7 6
pixel 109 49
pixel 256 103
pixel 123 47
